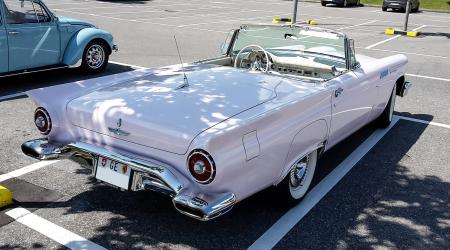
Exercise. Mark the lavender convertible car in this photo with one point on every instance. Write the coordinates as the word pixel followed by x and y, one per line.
pixel 214 132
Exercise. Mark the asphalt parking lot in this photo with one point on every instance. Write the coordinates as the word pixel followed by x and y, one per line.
pixel 377 189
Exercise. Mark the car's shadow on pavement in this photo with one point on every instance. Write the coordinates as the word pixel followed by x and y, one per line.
pixel 380 195
pixel 10 85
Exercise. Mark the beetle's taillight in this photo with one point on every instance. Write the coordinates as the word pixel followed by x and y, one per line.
pixel 201 166
pixel 42 121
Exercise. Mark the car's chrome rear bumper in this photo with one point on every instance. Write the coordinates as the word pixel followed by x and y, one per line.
pixel 403 88
pixel 146 176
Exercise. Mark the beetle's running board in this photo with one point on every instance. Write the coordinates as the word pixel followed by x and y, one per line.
pixel 146 176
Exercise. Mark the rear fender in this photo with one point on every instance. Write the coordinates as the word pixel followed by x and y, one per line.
pixel 75 48
pixel 310 138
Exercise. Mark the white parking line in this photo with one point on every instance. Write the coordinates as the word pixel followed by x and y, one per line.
pixel 128 65
pixel 392 38
pixel 403 52
pixel 228 21
pixel 361 24
pixel 278 230
pixel 6 97
pixel 51 230
pixel 430 77
pixel 424 122
pixel 25 170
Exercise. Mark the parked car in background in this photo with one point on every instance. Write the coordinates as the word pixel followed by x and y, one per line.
pixel 342 3
pixel 400 5
pixel 217 131
pixel 32 38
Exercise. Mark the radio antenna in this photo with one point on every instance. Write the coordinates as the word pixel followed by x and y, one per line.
pixel 186 82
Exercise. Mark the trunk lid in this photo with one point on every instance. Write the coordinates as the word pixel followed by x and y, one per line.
pixel 153 111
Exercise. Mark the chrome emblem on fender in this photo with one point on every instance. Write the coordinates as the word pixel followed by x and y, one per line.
pixel 118 131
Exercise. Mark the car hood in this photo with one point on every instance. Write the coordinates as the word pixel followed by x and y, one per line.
pixel 155 110
pixel 73 21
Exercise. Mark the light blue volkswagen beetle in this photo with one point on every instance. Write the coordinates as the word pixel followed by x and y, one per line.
pixel 32 38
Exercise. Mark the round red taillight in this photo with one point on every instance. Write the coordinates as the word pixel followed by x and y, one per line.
pixel 42 121
pixel 201 166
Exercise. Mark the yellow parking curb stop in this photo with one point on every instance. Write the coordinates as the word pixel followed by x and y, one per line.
pixel 389 31
pixel 401 32
pixel 311 22
pixel 412 33
pixel 5 197
pixel 284 20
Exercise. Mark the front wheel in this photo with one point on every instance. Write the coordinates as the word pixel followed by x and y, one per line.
pixel 95 57
pixel 323 3
pixel 385 118
pixel 297 183
pixel 384 8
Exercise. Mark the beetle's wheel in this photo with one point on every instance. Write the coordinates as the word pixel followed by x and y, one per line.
pixel 301 175
pixel 95 57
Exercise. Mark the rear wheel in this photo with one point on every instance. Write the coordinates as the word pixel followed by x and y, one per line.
pixel 95 57
pixel 385 119
pixel 297 183
pixel 345 4
pixel 384 8
pixel 323 3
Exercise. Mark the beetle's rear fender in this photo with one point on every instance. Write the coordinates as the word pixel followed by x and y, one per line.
pixel 75 48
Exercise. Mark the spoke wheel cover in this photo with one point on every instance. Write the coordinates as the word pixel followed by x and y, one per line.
pixel 95 56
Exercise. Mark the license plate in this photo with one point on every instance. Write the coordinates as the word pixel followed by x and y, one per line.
pixel 394 4
pixel 113 172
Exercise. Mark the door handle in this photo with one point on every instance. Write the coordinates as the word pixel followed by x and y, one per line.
pixel 13 33
pixel 338 92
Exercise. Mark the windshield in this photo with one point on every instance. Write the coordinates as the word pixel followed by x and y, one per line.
pixel 294 41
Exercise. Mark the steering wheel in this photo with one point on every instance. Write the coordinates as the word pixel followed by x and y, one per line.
pixel 255 61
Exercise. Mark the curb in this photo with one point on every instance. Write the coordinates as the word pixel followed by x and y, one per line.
pixel 5 197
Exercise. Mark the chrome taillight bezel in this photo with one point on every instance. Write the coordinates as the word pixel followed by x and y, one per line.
pixel 208 158
pixel 41 112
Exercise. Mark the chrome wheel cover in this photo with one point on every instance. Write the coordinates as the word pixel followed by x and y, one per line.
pixel 299 172
pixel 95 56
pixel 301 175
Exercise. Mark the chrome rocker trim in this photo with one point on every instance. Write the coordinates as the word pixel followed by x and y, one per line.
pixel 146 176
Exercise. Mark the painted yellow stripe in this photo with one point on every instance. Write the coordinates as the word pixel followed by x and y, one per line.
pixel 5 197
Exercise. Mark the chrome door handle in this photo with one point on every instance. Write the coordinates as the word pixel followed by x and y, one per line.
pixel 338 92
pixel 13 33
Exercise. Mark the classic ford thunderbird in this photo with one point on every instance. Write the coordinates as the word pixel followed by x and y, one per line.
pixel 214 132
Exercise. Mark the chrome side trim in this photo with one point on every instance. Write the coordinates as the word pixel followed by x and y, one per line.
pixel 146 176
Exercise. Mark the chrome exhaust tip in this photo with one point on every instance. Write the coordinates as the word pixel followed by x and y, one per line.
pixel 205 208
pixel 40 149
